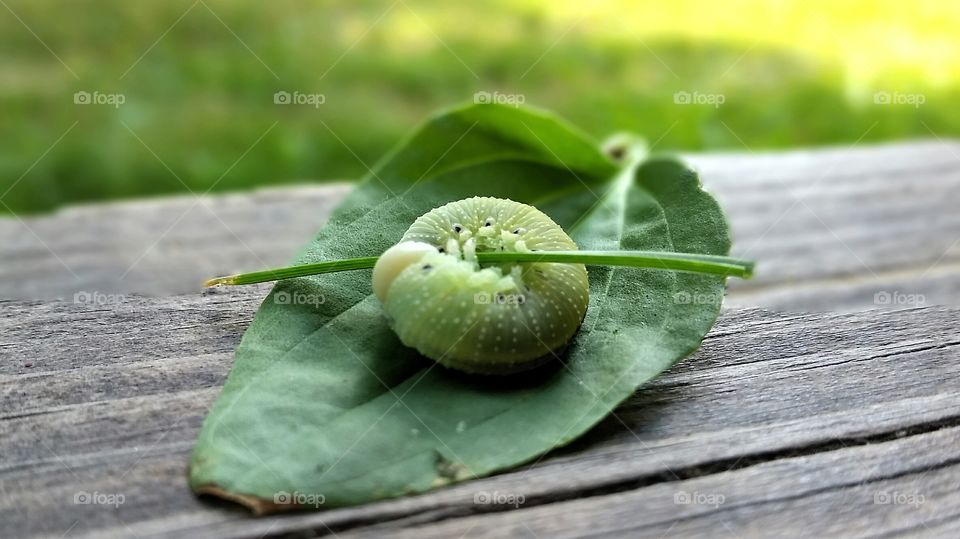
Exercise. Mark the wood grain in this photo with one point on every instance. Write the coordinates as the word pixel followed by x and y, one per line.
pixel 158 246
pixel 856 491
pixel 805 415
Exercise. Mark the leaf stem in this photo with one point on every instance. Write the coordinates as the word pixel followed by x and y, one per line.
pixel 685 262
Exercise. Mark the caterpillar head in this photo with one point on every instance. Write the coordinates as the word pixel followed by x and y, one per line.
pixel 495 319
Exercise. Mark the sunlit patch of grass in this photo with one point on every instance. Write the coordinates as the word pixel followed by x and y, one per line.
pixel 791 74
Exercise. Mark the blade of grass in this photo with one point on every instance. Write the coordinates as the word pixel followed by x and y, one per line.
pixel 291 272
pixel 687 262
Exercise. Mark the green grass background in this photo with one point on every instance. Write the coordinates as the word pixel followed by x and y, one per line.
pixel 198 80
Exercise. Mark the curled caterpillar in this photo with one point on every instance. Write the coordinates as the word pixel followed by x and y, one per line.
pixel 491 319
pixel 491 286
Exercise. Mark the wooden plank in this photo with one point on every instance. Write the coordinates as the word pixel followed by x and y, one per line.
pixel 830 228
pixel 158 246
pixel 858 491
pixel 107 400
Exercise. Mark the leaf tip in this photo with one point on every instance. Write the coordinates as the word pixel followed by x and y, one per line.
pixel 256 505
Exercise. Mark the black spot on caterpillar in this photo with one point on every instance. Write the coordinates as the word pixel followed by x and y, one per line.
pixel 495 320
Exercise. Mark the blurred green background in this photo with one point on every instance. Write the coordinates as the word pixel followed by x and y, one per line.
pixel 198 79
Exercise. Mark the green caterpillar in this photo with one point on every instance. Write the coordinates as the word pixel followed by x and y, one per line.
pixel 491 319
pixel 491 286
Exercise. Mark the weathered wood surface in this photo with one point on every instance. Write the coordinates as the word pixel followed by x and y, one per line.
pixel 158 247
pixel 795 424
pixel 834 423
pixel 830 228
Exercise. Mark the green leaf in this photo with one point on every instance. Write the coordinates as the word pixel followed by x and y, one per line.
pixel 323 400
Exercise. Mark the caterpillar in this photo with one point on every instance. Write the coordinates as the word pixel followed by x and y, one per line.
pixel 490 319
pixel 490 286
